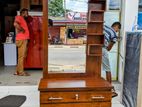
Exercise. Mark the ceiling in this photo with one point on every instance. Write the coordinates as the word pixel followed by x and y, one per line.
pixel 9 7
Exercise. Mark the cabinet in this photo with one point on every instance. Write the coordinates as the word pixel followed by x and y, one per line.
pixel 75 92
pixel 78 89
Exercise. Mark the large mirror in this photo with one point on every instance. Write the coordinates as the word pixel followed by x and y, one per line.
pixel 67 36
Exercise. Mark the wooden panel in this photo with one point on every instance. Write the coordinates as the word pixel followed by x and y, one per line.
pixel 95 28
pixel 58 97
pixel 97 104
pixel 97 6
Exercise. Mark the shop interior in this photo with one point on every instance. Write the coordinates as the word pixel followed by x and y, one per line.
pixel 68 38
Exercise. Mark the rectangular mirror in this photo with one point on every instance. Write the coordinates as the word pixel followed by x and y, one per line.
pixel 67 36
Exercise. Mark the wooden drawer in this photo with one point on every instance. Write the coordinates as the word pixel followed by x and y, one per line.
pixel 99 104
pixel 58 97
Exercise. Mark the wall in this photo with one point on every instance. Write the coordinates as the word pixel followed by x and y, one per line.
pixel 128 17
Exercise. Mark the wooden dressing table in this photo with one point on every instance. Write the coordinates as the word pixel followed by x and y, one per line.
pixel 78 89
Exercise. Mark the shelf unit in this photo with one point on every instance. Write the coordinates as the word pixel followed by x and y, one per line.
pixel 95 36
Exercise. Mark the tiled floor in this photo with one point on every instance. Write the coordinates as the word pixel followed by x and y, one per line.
pixel 15 85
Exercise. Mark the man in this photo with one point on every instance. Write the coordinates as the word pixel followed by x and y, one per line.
pixel 22 36
pixel 110 40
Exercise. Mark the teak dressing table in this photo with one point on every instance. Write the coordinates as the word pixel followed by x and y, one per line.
pixel 87 89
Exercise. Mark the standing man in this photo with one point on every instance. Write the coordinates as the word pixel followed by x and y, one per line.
pixel 22 36
pixel 110 39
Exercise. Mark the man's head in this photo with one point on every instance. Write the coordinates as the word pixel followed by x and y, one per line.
pixel 116 26
pixel 24 12
pixel 50 22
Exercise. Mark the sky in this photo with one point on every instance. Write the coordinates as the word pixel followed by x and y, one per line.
pixel 77 5
pixel 82 5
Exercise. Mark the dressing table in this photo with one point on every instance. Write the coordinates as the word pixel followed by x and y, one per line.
pixel 87 89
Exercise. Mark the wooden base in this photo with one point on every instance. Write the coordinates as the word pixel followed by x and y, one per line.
pixel 75 92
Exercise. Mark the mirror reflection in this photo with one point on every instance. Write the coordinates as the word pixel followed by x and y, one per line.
pixel 67 36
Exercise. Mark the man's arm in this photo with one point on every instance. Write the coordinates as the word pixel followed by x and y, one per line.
pixel 110 46
pixel 18 27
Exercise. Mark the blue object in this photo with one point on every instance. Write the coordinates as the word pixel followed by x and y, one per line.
pixel 140 21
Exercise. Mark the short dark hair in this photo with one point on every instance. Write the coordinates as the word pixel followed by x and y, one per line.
pixel 116 24
pixel 23 10
pixel 50 22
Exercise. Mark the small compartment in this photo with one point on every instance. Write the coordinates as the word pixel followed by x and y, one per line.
pixel 95 27
pixel 95 39
pixel 34 2
pixel 97 5
pixel 96 16
pixel 94 50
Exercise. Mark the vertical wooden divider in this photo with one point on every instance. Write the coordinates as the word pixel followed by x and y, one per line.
pixel 45 37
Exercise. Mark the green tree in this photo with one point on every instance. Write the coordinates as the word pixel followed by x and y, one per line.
pixel 55 8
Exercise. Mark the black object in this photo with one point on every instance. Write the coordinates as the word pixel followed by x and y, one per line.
pixel 131 72
pixel 12 101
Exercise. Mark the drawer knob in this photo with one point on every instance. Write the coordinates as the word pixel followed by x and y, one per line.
pixel 76 96
pixel 97 97
pixel 55 98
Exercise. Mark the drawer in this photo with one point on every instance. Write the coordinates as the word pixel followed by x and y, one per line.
pixel 99 104
pixel 58 97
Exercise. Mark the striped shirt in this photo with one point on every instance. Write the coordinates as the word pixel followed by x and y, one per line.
pixel 109 35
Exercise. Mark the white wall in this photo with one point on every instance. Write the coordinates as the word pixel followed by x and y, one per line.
pixel 128 17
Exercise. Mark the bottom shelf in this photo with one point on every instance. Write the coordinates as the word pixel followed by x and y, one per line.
pixel 94 50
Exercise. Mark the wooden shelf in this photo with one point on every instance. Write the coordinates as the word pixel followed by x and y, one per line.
pixel 95 22
pixel 95 27
pixel 94 34
pixel 100 45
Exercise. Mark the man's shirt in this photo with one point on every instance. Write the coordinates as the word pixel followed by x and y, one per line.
pixel 109 35
pixel 22 35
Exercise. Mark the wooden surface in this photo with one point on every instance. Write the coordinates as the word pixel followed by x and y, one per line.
pixel 71 83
